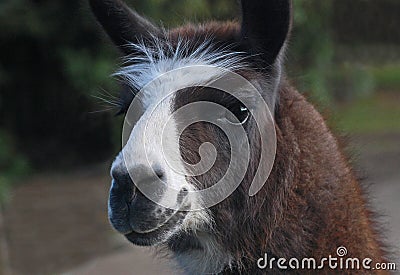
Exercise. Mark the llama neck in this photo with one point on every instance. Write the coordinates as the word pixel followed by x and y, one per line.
pixel 312 203
pixel 325 183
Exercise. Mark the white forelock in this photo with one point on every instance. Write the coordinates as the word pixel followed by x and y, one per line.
pixel 159 56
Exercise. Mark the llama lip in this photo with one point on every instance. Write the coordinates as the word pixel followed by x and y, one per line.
pixel 162 232
pixel 149 230
pixel 159 234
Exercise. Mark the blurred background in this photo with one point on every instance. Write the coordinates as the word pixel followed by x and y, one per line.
pixel 58 136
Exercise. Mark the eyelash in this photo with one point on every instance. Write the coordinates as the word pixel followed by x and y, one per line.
pixel 125 99
pixel 228 101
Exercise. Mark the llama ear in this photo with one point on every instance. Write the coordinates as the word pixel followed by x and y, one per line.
pixel 265 27
pixel 121 23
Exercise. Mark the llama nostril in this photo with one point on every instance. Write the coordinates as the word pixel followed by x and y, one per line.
pixel 121 176
pixel 159 173
pixel 184 191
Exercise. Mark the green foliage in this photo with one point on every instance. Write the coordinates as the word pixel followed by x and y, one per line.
pixel 349 81
pixel 85 71
pixel 329 71
pixel 53 57
pixel 374 114
pixel 13 166
pixel 173 12
pixel 386 77
pixel 311 48
pixel 21 15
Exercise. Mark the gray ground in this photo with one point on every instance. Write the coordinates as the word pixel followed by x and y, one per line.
pixel 56 223
pixel 379 163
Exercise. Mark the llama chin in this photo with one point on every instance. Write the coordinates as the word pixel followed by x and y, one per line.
pixel 310 203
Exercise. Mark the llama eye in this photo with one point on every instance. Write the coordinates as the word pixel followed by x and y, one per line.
pixel 238 111
pixel 127 94
pixel 122 110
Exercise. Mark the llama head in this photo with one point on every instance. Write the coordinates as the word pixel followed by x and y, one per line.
pixel 175 145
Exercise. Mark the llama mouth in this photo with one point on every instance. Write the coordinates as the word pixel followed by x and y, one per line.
pixel 159 234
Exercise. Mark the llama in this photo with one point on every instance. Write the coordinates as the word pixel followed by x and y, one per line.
pixel 310 205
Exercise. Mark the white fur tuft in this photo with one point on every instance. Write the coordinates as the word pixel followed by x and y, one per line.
pixel 158 56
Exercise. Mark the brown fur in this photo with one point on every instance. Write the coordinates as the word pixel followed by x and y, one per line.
pixel 311 204
pixel 324 206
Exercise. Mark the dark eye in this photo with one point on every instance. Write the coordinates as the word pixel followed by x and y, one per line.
pixel 236 114
pixel 126 96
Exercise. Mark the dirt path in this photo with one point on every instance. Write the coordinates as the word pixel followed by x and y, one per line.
pixel 57 222
pixel 379 162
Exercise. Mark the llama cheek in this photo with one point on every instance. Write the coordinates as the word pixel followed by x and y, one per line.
pixel 158 151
